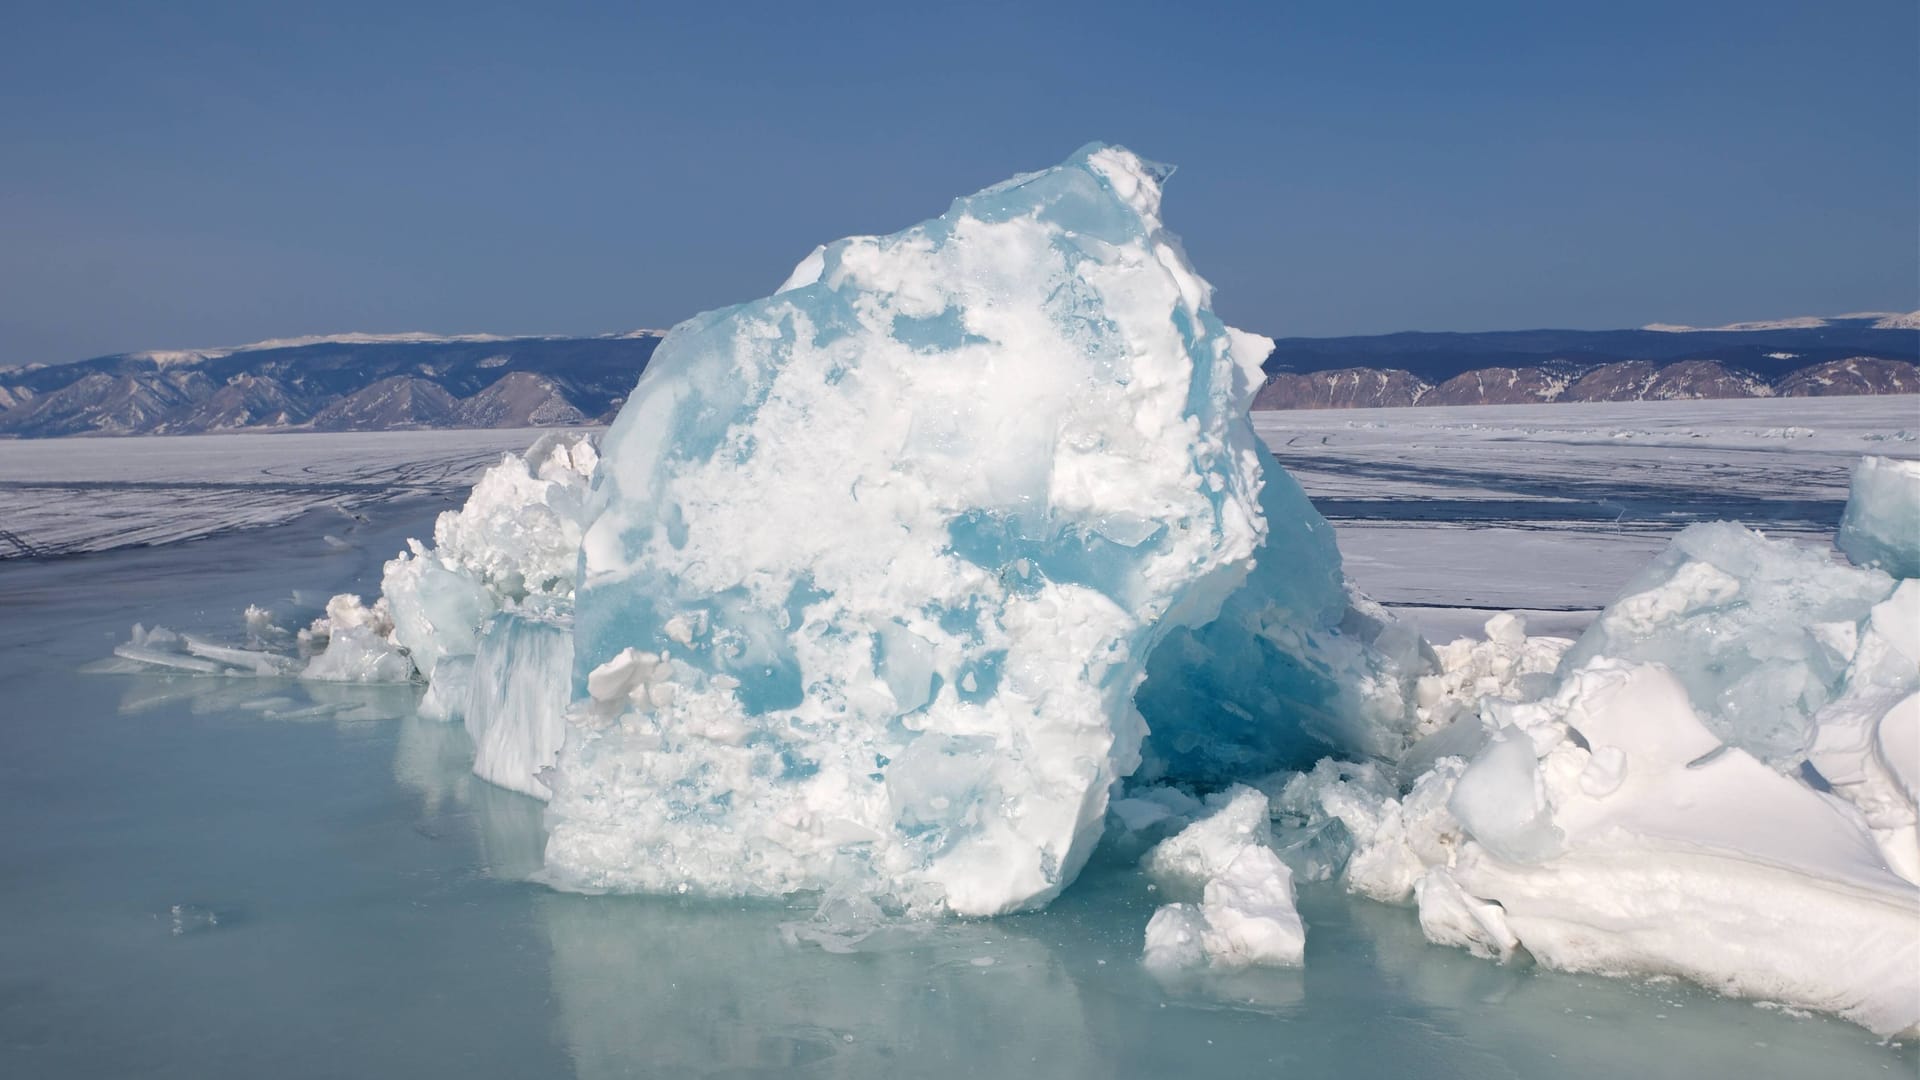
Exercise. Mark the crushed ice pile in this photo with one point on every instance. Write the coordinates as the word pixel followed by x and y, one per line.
pixel 910 583
pixel 483 617
pixel 1226 862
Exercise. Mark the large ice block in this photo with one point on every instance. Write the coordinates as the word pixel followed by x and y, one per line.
pixel 1881 527
pixel 1294 668
pixel 899 543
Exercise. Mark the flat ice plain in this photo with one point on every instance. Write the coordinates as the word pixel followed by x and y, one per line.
pixel 1549 509
pixel 68 496
pixel 208 877
pixel 1542 507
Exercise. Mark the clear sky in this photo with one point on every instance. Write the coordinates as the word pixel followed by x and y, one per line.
pixel 185 174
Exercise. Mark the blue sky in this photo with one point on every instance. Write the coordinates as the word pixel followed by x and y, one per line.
pixel 191 174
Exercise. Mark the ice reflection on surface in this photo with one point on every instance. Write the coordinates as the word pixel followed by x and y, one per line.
pixel 722 994
pixel 691 987
pixel 289 700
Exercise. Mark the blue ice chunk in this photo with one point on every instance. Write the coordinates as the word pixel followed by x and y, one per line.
pixel 1881 527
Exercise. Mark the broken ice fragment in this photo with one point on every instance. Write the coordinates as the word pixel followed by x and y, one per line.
pixel 521 682
pixel 1245 915
pixel 1745 622
pixel 1881 527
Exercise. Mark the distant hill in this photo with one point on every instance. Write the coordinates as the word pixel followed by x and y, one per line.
pixel 366 382
pixel 353 382
pixel 1872 353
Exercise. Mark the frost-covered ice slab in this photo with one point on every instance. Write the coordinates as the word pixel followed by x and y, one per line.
pixel 1759 631
pixel 1602 832
pixel 1724 871
pixel 906 536
pixel 518 688
pixel 1882 524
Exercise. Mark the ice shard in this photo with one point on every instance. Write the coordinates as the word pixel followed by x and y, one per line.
pixel 517 694
pixel 1881 527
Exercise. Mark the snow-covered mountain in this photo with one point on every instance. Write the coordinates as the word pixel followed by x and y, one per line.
pixel 383 381
pixel 1861 353
pixel 359 382
pixel 1875 320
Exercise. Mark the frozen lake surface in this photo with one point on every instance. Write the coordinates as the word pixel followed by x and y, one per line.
pixel 1550 508
pixel 66 496
pixel 207 877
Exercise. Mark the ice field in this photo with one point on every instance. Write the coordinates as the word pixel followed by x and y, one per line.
pixel 302 859
pixel 66 496
pixel 319 871
pixel 1545 508
pixel 1551 508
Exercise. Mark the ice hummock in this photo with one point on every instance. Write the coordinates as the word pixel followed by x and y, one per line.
pixel 1881 527
pixel 1718 784
pixel 906 537
pixel 865 587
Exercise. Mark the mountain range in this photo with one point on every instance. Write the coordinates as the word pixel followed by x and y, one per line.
pixel 350 382
pixel 373 382
pixel 1865 353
